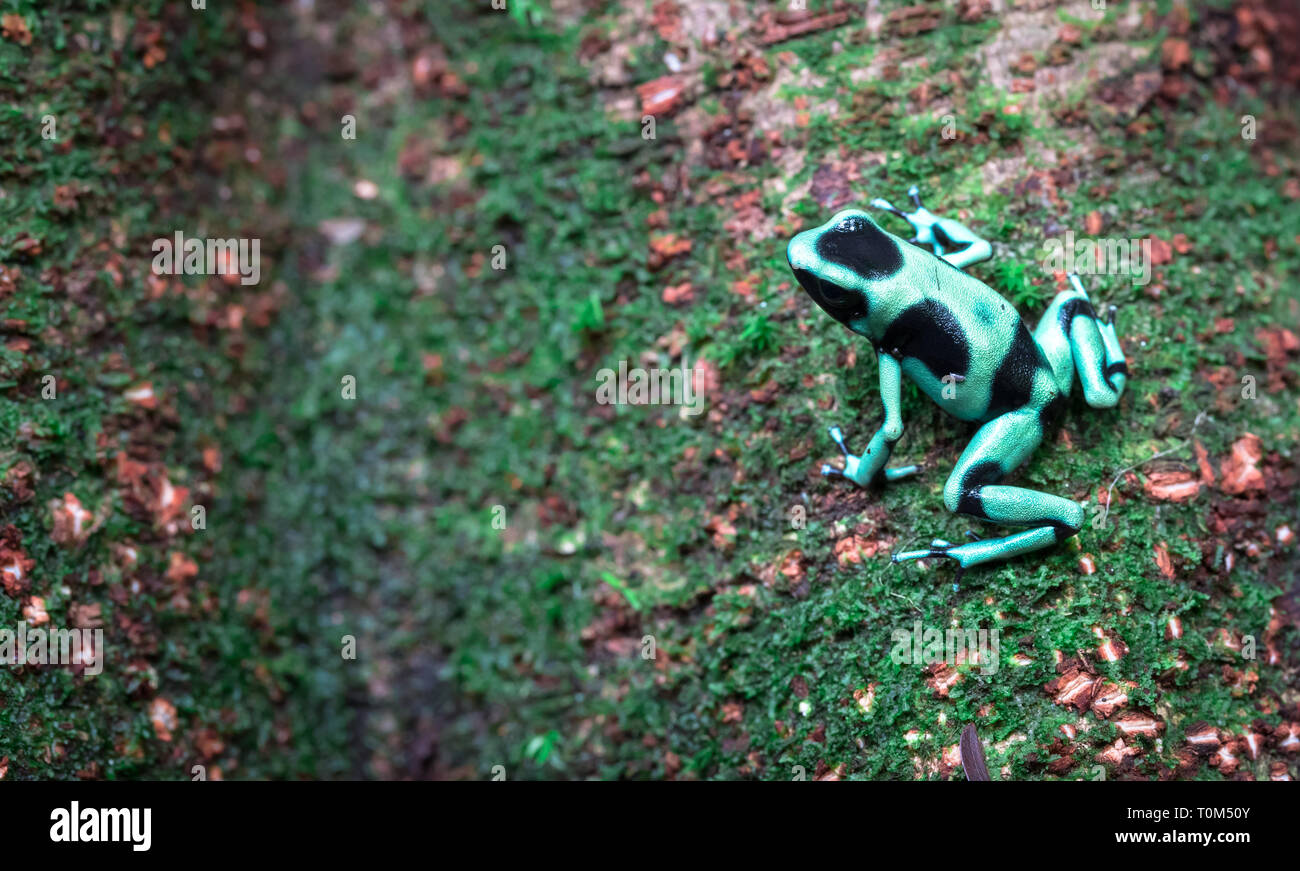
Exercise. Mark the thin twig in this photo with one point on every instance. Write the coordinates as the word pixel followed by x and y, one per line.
pixel 909 601
pixel 1200 418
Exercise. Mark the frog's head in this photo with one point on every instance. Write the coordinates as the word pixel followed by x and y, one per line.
pixel 840 262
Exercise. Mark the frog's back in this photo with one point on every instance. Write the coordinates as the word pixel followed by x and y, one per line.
pixel 967 348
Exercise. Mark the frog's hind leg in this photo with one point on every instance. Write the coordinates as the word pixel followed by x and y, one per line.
pixel 973 489
pixel 1075 339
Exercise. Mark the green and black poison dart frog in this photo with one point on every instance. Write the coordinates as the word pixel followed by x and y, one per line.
pixel 968 350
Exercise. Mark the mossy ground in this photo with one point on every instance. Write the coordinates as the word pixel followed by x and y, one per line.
pixel 522 647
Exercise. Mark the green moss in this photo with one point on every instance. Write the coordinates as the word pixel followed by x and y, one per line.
pixel 523 647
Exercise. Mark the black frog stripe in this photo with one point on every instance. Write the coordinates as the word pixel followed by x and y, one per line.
pixel 1013 383
pixel 970 501
pixel 928 331
pixel 949 245
pixel 1050 413
pixel 1074 308
pixel 1120 368
pixel 859 245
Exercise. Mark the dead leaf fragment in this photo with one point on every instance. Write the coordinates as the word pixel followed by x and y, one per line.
pixel 1175 54
pixel 774 32
pixel 15 565
pixel 14 27
pixel 1172 486
pixel 1161 251
pixel 86 616
pixel 792 566
pixel 1163 562
pixel 661 96
pixel 162 714
pixel 73 524
pixel 665 247
pixel 679 294
pixel 1240 470
pixel 142 395
pixel 723 533
pixel 34 611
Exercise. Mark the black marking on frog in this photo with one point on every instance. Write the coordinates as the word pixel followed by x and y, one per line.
pixel 859 245
pixel 949 245
pixel 1050 413
pixel 1013 383
pixel 971 502
pixel 1120 368
pixel 929 332
pixel 1073 309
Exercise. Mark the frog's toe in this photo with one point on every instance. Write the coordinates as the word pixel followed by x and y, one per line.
pixel 850 470
pixel 1077 284
pixel 915 193
pixel 881 203
pixel 852 463
pixel 899 472
pixel 938 548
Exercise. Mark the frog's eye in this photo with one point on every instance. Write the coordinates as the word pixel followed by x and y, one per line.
pixel 840 303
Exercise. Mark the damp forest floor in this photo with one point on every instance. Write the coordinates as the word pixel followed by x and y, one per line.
pixel 426 550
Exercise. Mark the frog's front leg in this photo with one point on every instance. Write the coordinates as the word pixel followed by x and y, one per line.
pixel 864 468
pixel 974 489
pixel 949 239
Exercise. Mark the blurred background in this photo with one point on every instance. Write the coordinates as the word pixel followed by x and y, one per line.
pixel 426 548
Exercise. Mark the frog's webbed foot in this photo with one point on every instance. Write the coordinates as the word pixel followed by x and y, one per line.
pixel 937 548
pixel 882 203
pixel 921 234
pixel 943 549
pixel 922 219
pixel 851 462
pixel 948 239
pixel 854 467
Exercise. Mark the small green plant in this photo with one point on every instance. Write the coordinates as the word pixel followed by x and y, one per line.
pixel 540 747
pixel 756 338
pixel 590 317
pixel 1010 277
pixel 628 592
